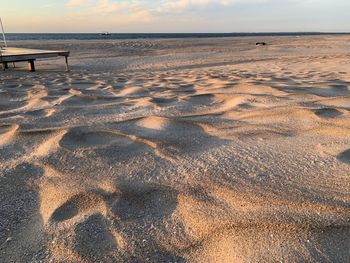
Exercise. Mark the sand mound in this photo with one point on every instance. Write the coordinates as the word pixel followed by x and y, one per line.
pixel 50 145
pixel 337 102
pixel 130 91
pixel 258 90
pixel 153 123
pixel 7 133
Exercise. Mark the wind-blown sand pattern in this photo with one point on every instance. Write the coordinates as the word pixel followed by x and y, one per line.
pixel 207 150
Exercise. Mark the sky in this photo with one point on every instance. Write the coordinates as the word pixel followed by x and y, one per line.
pixel 171 16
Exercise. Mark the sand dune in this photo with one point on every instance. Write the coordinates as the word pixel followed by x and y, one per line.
pixel 183 151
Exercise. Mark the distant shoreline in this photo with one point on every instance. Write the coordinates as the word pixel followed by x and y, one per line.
pixel 121 36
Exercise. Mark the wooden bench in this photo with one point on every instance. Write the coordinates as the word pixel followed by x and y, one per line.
pixel 11 55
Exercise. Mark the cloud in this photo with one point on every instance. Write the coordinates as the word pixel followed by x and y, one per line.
pixel 104 7
pixel 122 13
pixel 162 7
pixel 106 14
pixel 203 7
pixel 75 3
pixel 184 4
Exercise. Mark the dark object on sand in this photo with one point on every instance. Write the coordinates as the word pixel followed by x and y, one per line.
pixel 261 44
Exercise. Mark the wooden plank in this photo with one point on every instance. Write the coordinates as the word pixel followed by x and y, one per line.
pixel 26 57
pixel 21 54
pixel 10 54
pixel 12 51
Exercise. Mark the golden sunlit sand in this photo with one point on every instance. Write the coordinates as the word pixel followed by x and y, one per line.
pixel 197 150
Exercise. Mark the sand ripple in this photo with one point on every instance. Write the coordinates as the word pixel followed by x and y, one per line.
pixel 240 155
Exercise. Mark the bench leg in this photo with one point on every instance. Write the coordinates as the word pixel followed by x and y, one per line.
pixel 31 65
pixel 67 66
pixel 5 65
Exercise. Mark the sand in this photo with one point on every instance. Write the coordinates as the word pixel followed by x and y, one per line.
pixel 196 150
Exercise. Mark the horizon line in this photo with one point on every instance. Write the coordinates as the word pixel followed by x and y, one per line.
pixel 187 33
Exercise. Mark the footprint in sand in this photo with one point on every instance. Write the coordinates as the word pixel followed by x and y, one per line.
pixel 40 113
pixel 131 200
pixel 94 240
pixel 170 136
pixel 76 205
pixel 80 138
pixel 138 201
pixel 344 157
pixel 328 113
pixel 203 99
pixel 8 106
pixel 77 101
pixel 96 236
pixel 164 102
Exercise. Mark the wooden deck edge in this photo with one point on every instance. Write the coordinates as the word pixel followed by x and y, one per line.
pixel 30 57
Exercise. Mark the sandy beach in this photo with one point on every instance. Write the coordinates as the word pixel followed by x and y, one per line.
pixel 178 150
